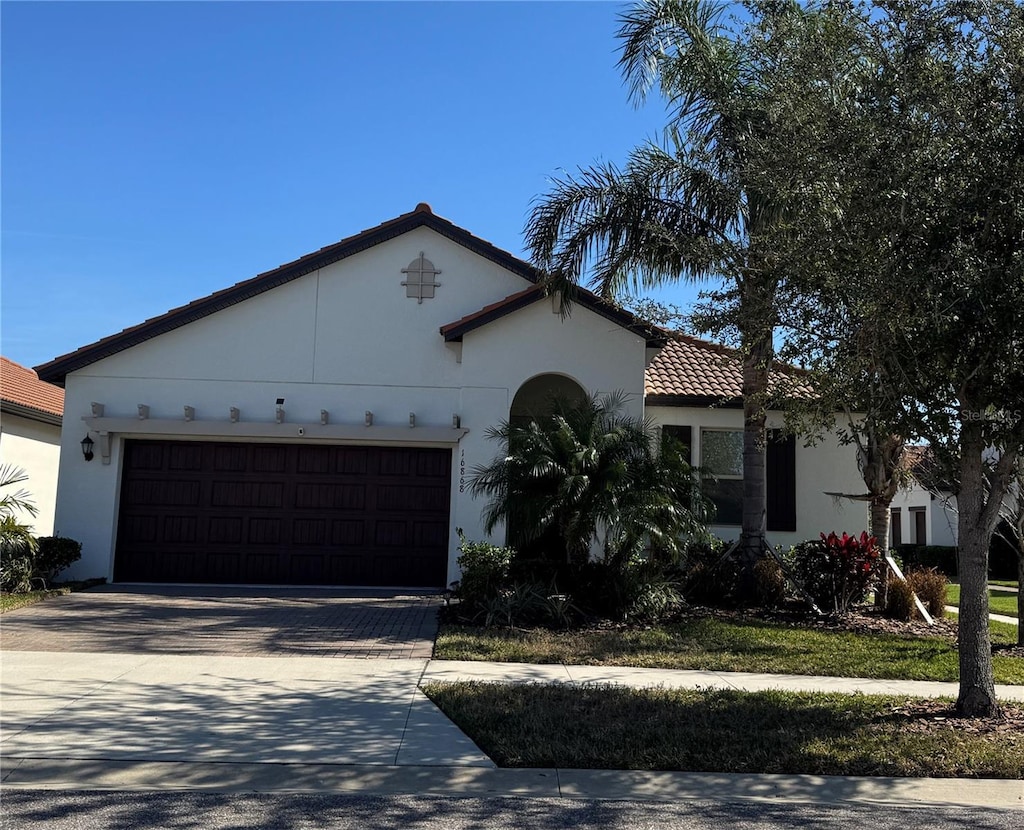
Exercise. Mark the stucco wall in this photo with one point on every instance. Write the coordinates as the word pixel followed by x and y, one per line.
pixel 35 447
pixel 345 339
pixel 827 467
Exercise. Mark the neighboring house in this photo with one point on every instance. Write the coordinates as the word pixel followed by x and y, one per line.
pixel 317 424
pixel 31 412
pixel 924 512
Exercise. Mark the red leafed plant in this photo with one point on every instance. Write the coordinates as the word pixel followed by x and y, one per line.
pixel 838 570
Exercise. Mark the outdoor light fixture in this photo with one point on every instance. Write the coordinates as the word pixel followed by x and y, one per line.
pixel 234 413
pixel 412 419
pixel 324 417
pixel 143 412
pixel 456 421
pixel 279 414
pixel 87 444
pixel 190 413
pixel 368 418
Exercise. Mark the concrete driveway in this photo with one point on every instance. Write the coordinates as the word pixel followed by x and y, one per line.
pixel 223 676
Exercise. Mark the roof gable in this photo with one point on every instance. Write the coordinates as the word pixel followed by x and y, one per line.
pixel 23 393
pixel 495 311
pixel 57 369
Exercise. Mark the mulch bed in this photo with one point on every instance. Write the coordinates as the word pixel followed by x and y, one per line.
pixel 925 716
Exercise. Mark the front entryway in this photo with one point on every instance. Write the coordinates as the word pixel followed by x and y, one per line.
pixel 294 514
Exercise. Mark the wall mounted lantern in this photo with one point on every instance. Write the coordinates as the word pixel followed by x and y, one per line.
pixel 87 444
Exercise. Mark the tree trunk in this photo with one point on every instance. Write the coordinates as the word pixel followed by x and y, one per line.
pixel 880 515
pixel 977 683
pixel 756 361
pixel 1020 592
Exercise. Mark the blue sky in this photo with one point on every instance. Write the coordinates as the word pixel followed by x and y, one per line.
pixel 156 152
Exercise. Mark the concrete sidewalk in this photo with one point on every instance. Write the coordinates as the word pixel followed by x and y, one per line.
pixel 1003 618
pixel 449 671
pixel 304 724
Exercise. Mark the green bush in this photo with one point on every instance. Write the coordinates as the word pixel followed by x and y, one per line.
pixel 485 573
pixel 930 586
pixel 707 577
pixel 769 583
pixel 899 603
pixel 55 554
pixel 836 571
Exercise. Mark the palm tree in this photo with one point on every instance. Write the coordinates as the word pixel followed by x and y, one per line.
pixel 690 210
pixel 587 469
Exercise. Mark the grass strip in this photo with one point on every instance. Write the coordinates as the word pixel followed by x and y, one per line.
pixel 999 602
pixel 10 602
pixel 726 645
pixel 596 727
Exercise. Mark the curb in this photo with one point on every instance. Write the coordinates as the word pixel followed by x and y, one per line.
pixel 477 782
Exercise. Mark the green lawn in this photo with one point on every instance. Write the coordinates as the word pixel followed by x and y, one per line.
pixel 725 645
pixel 724 731
pixel 999 602
pixel 1006 583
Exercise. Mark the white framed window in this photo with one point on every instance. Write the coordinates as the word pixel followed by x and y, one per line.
pixel 721 456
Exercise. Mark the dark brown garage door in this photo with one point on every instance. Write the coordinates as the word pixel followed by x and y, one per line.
pixel 283 514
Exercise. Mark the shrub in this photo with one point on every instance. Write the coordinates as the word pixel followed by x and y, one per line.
pixel 17 548
pixel 55 554
pixel 708 578
pixel 930 586
pixel 941 557
pixel 900 601
pixel 485 573
pixel 769 583
pixel 837 571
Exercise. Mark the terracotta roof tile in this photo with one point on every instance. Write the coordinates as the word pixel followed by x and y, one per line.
pixel 690 369
pixel 20 385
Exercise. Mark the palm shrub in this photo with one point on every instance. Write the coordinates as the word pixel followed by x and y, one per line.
pixel 591 473
pixel 17 544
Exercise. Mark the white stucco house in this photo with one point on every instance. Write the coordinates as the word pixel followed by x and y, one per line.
pixel 316 424
pixel 31 412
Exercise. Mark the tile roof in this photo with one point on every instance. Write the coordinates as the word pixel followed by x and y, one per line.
pixel 695 372
pixel 58 368
pixel 21 387
pixel 454 331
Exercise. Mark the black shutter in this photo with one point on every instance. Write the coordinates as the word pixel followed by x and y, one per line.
pixel 780 474
pixel 684 435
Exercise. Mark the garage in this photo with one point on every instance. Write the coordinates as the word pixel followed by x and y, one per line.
pixel 299 514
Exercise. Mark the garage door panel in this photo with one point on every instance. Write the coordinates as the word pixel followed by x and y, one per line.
pixel 347 532
pixel 269 459
pixel 247 494
pixel 264 531
pixel 230 458
pixel 317 496
pixel 185 456
pixel 180 529
pixel 283 513
pixel 224 530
